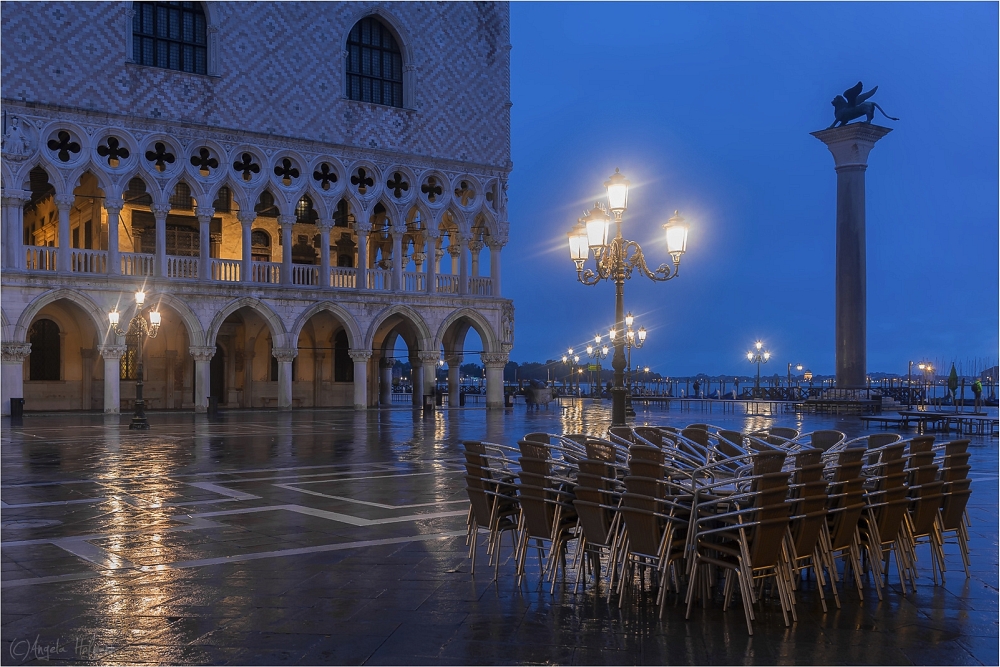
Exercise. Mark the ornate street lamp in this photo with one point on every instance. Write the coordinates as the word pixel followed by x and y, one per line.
pixel 615 260
pixel 798 367
pixel 758 356
pixel 572 360
pixel 598 352
pixel 138 328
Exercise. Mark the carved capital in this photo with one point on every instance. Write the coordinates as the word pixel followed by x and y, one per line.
pixel 204 213
pixel 286 220
pixel 428 356
pixel 159 211
pixel 493 243
pixel 851 144
pixel 112 351
pixel 64 202
pixel 419 257
pixel 199 353
pixel 285 353
pixel 324 225
pixel 452 359
pixel 494 359
pixel 360 355
pixel 16 198
pixel 15 352
pixel 113 206
pixel 476 246
pixel 246 217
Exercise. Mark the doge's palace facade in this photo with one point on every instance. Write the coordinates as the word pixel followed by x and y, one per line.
pixel 295 186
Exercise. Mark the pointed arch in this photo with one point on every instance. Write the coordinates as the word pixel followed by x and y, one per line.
pixel 423 331
pixel 99 317
pixel 354 335
pixel 274 323
pixel 195 330
pixel 476 321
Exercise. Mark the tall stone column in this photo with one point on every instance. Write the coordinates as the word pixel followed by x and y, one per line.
pixel 285 222
pixel 13 228
pixel 850 145
pixel 362 279
pixel 12 373
pixel 494 362
pixel 324 252
pixel 112 355
pixel 284 356
pixel 384 381
pixel 428 361
pixel 202 375
pixel 433 259
pixel 204 214
pixel 360 359
pixel 114 209
pixel 495 248
pixel 454 361
pixel 246 219
pixel 475 248
pixel 416 380
pixel 397 257
pixel 160 261
pixel 64 203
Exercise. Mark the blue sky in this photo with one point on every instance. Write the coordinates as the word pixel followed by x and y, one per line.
pixel 707 108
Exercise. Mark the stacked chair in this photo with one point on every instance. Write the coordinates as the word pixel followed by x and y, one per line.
pixel 703 511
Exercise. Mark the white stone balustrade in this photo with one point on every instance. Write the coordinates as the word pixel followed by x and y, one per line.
pixel 137 264
pixel 413 282
pixel 40 258
pixel 226 270
pixel 266 272
pixel 305 274
pixel 182 267
pixel 481 286
pixel 379 279
pixel 447 284
pixel 89 261
pixel 343 277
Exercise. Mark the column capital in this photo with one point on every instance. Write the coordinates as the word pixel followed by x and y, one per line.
pixel 112 351
pixel 246 217
pixel 64 201
pixel 159 211
pixel 285 353
pixel 204 212
pixel 428 356
pixel 15 197
pixel 362 226
pixel 452 359
pixel 493 243
pixel 15 352
pixel 286 221
pixel 476 245
pixel 324 225
pixel 851 144
pixel 115 205
pixel 494 359
pixel 360 355
pixel 200 353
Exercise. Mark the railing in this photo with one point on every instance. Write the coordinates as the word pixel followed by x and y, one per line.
pixel 40 258
pixel 481 286
pixel 182 267
pixel 414 282
pixel 227 270
pixel 447 284
pixel 137 264
pixel 266 272
pixel 305 274
pixel 89 261
pixel 343 277
pixel 379 279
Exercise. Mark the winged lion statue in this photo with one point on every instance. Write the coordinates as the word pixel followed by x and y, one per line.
pixel 854 104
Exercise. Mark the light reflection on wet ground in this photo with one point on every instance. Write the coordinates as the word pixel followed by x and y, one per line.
pixel 332 536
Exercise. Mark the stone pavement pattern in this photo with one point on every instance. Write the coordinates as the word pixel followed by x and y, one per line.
pixel 334 537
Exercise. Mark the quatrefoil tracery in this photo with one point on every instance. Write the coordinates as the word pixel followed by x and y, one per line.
pixel 465 193
pixel 160 156
pixel 286 171
pixel 247 166
pixel 362 180
pixel 432 189
pixel 204 161
pixel 398 185
pixel 113 151
pixel 325 176
pixel 64 146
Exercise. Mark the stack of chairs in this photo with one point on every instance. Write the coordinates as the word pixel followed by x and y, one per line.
pixel 926 497
pixel 881 528
pixel 953 520
pixel 489 481
pixel 845 506
pixel 804 539
pixel 597 492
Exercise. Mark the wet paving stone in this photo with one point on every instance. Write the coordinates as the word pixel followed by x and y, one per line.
pixel 335 537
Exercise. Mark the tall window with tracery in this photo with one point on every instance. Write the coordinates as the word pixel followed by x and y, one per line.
pixel 171 35
pixel 374 64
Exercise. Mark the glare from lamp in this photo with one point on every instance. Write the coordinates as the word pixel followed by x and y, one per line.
pixel 113 316
pixel 140 298
pixel 154 318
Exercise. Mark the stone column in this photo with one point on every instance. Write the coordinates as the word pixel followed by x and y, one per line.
pixel 384 381
pixel 475 247
pixel 463 268
pixel 360 358
pixel 13 229
pixel 112 355
pixel 285 222
pixel 416 380
pixel 160 262
pixel 64 203
pixel 362 279
pixel 495 247
pixel 202 375
pixel 433 259
pixel 454 361
pixel 246 219
pixel 205 214
pixel 12 375
pixel 494 362
pixel 114 209
pixel 284 356
pixel 397 258
pixel 324 252
pixel 850 145
pixel 428 362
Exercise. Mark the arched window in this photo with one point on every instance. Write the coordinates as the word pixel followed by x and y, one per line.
pixel 137 193
pixel 223 201
pixel 44 360
pixel 260 245
pixel 181 197
pixel 172 35
pixel 374 64
pixel 304 212
pixel 265 207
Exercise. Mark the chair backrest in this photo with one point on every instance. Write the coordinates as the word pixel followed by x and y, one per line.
pixel 594 520
pixel 926 501
pixel 537 510
pixel 826 439
pixel 643 468
pixel 784 432
pixel 537 437
pixel 644 486
pixel 921 443
pixel 889 513
pixel 645 533
pixel 533 450
pixel 598 468
pixel 623 432
pixel 535 466
pixel 645 453
pixel 698 435
pixel 953 504
pixel 768 461
pixel 768 536
pixel 807 526
pixel 599 450
pixel 956 447
pixel 482 504
pixel 730 443
pixel 876 440
pixel 845 521
pixel 651 434
pixel 955 473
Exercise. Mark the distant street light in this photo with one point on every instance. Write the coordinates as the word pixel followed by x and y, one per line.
pixel 616 260
pixel 757 356
pixel 909 380
pixel 598 352
pixel 798 367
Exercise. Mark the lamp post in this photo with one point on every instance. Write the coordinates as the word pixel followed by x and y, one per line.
pixel 798 367
pixel 758 356
pixel 137 327
pixel 572 360
pixel 922 365
pixel 808 377
pixel 615 260
pixel 598 352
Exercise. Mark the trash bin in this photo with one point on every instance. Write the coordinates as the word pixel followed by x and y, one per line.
pixel 508 400
pixel 213 406
pixel 16 410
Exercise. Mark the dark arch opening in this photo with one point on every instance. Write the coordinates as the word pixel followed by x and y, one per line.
pixel 44 360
